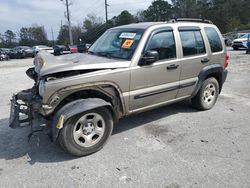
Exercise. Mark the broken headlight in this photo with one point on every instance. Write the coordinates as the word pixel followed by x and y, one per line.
pixel 41 87
pixel 39 63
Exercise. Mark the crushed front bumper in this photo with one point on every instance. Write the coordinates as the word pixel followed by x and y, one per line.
pixel 24 109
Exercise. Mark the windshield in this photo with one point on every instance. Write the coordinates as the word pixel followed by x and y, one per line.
pixel 117 43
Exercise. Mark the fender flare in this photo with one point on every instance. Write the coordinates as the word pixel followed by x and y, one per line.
pixel 73 108
pixel 215 68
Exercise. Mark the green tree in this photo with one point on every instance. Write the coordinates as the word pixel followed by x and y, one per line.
pixel 93 28
pixel 38 35
pixel 139 16
pixel 24 36
pixel 228 15
pixel 34 35
pixel 63 36
pixel 10 37
pixel 1 41
pixel 186 8
pixel 91 22
pixel 159 10
pixel 124 18
pixel 77 34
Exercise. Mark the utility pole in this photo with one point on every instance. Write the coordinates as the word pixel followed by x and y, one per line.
pixel 69 24
pixel 106 11
pixel 52 33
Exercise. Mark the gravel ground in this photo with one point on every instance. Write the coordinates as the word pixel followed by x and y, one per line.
pixel 170 147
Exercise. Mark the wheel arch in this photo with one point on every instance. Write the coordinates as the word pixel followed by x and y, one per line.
pixel 74 108
pixel 105 91
pixel 215 70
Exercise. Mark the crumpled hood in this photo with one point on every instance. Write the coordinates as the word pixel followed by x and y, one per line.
pixel 55 64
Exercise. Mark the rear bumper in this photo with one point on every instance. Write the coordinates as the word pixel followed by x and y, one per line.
pixel 224 76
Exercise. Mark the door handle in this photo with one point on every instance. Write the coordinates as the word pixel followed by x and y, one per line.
pixel 173 66
pixel 205 60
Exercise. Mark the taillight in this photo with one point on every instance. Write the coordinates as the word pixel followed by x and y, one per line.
pixel 226 63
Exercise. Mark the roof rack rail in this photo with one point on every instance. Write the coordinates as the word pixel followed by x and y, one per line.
pixel 191 20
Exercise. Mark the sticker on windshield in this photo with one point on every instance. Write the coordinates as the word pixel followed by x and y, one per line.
pixel 127 35
pixel 127 43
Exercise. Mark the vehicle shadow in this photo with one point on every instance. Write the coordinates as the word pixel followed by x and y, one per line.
pixel 14 143
pixel 140 119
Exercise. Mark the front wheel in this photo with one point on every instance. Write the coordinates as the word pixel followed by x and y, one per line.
pixel 87 132
pixel 207 95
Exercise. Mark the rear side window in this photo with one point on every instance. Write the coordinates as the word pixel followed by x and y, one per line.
pixel 192 43
pixel 214 39
pixel 164 44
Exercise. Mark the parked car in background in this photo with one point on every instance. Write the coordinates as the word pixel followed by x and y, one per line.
pixel 22 52
pixel 88 45
pixel 240 43
pixel 61 49
pixel 5 51
pixel 73 49
pixel 4 54
pixel 82 48
pixel 248 44
pixel 43 47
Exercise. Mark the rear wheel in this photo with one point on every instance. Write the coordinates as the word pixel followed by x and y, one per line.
pixel 86 133
pixel 207 95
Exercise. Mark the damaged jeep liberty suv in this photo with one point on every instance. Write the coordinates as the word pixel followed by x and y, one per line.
pixel 129 69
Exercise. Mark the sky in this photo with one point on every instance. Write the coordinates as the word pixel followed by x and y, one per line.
pixel 15 14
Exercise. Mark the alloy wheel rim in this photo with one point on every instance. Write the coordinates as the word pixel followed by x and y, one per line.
pixel 209 94
pixel 89 130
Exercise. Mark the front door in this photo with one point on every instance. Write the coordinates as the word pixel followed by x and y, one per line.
pixel 155 84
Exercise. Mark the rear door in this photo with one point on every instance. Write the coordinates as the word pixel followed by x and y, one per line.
pixel 194 58
pixel 216 44
pixel 154 84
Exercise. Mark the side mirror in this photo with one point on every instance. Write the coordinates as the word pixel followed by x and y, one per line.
pixel 149 58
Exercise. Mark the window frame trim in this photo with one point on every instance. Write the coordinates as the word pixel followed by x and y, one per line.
pixel 188 28
pixel 221 42
pixel 156 31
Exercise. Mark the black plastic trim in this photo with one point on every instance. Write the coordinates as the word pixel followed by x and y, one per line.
pixel 187 85
pixel 215 68
pixel 156 92
pixel 163 90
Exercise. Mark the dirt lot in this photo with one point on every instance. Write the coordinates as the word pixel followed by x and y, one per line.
pixel 171 147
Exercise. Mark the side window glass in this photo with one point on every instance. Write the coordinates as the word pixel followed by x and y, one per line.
pixel 214 39
pixel 200 46
pixel 192 43
pixel 164 44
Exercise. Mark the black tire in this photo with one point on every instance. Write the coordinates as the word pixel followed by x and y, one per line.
pixel 23 55
pixel 235 48
pixel 200 101
pixel 66 135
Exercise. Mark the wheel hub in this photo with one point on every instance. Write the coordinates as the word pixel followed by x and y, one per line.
pixel 88 128
pixel 209 94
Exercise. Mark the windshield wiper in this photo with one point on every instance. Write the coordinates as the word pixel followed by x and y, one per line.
pixel 104 54
pixel 91 52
